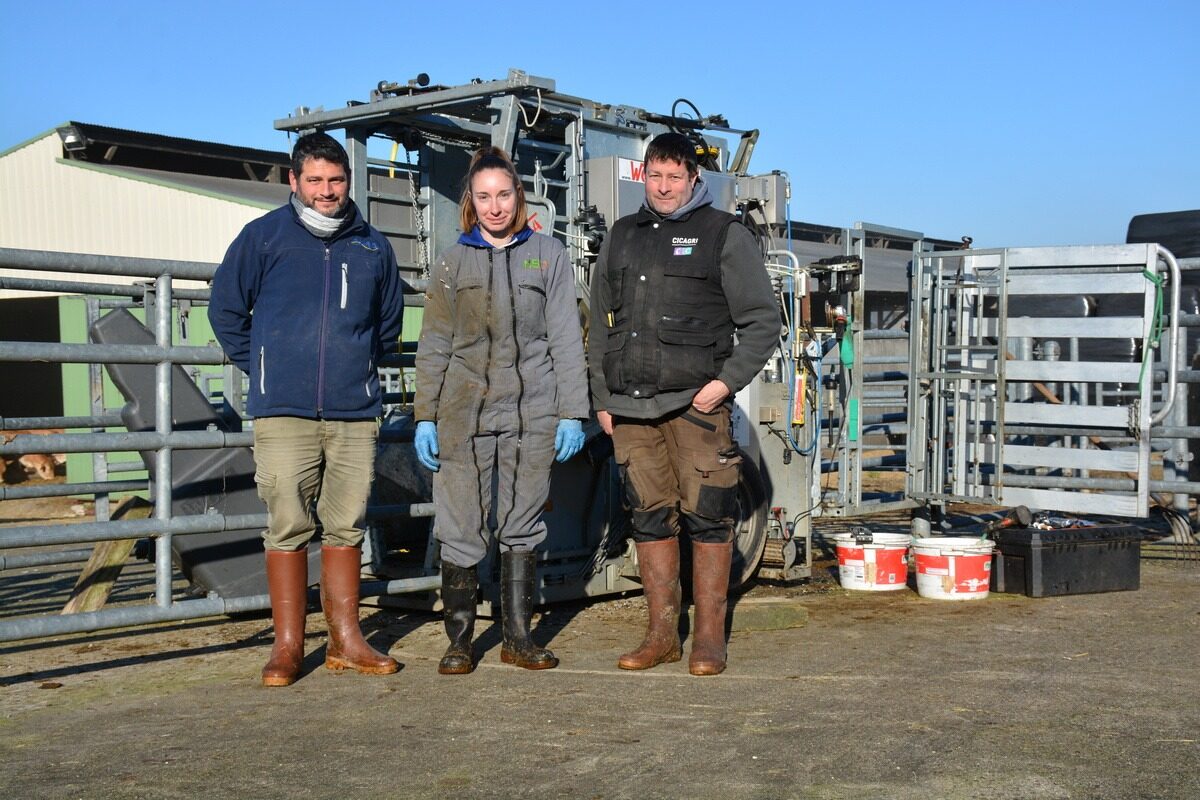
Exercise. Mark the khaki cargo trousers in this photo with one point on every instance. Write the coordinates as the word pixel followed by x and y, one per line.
pixel 299 461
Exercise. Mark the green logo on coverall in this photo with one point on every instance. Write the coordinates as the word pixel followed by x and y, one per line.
pixel 533 263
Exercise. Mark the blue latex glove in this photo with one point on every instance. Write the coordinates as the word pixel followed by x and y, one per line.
pixel 426 443
pixel 568 439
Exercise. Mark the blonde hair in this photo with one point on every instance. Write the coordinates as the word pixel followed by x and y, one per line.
pixel 491 158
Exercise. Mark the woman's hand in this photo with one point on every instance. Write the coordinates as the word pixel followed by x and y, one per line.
pixel 568 439
pixel 426 444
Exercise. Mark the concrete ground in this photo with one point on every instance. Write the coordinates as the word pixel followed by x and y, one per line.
pixel 829 694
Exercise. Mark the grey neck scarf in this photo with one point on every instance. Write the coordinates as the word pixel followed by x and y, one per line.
pixel 318 224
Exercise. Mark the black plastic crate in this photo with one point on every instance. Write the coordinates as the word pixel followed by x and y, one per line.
pixel 1040 563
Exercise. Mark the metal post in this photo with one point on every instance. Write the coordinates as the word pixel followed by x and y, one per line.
pixel 1180 455
pixel 96 406
pixel 360 179
pixel 162 424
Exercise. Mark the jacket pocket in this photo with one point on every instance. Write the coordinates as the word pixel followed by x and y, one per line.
pixel 616 286
pixel 687 350
pixel 345 284
pixel 614 356
pixel 470 314
pixel 531 310
pixel 686 267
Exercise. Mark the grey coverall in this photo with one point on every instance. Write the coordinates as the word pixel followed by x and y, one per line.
pixel 500 362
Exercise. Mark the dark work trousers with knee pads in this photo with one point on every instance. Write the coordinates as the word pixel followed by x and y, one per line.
pixel 680 474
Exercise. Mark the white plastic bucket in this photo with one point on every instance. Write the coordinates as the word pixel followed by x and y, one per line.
pixel 874 562
pixel 953 567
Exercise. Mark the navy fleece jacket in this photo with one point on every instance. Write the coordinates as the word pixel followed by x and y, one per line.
pixel 307 318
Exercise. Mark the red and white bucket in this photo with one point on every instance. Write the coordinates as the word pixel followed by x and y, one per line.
pixel 874 562
pixel 953 567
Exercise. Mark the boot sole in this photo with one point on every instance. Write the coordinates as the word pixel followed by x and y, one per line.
pixel 511 659
pixel 669 658
pixel 455 671
pixel 463 669
pixel 281 672
pixel 278 680
pixel 706 669
pixel 338 665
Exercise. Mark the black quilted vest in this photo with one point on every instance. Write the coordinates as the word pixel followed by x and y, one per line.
pixel 670 327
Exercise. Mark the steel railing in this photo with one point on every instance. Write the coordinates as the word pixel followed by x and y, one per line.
pixel 160 297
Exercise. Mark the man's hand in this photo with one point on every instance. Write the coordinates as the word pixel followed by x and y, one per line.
pixel 711 395
pixel 605 420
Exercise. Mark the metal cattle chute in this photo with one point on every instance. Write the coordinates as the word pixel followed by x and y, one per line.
pixel 1039 376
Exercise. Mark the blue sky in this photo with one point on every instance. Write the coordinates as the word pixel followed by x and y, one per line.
pixel 1016 123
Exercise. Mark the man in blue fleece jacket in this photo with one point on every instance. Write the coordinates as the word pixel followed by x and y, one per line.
pixel 306 301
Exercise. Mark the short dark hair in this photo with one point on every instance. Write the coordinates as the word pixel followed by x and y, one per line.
pixel 673 147
pixel 318 145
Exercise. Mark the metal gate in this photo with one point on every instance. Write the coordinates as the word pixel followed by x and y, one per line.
pixel 163 441
pixel 1032 375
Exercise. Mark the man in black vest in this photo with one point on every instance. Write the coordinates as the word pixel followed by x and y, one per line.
pixel 673 283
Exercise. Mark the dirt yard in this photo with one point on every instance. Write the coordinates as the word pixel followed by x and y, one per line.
pixel 829 694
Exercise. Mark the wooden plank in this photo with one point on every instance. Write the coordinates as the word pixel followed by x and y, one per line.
pixel 96 580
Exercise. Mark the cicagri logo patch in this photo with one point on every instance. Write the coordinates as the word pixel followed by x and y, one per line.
pixel 366 245
pixel 534 263
pixel 683 245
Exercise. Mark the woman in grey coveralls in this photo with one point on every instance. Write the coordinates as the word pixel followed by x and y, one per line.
pixel 501 393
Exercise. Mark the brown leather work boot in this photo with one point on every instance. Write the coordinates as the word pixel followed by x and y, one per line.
pixel 339 597
pixel 658 562
pixel 287 582
pixel 710 589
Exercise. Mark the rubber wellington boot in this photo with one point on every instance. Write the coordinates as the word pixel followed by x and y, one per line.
pixel 710 589
pixel 658 562
pixel 460 588
pixel 339 597
pixel 517 573
pixel 287 582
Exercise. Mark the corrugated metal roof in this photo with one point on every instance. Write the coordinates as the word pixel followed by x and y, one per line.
pixel 105 137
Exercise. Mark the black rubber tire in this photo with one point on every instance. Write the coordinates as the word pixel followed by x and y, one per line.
pixel 750 531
